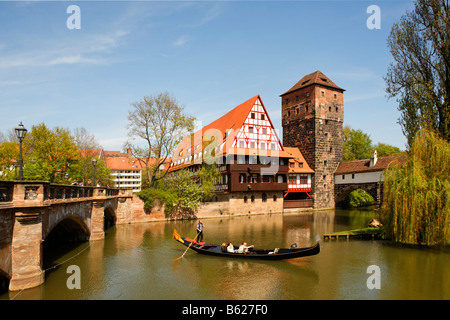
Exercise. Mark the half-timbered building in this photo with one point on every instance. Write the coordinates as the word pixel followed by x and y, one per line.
pixel 254 166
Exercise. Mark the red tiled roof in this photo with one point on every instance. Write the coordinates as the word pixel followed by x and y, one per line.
pixel 297 159
pixel 316 77
pixel 357 166
pixel 234 120
pixel 91 152
pixel 114 154
pixel 123 163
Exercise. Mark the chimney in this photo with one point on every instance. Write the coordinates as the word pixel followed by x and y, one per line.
pixel 373 158
pixel 129 150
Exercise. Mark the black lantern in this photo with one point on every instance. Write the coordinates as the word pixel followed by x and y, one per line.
pixel 20 134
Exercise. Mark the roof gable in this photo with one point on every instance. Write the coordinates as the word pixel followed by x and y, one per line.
pixel 231 134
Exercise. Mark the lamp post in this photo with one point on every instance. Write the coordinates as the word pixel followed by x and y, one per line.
pixel 16 164
pixel 94 162
pixel 20 134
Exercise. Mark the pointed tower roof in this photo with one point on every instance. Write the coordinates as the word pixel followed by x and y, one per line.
pixel 317 77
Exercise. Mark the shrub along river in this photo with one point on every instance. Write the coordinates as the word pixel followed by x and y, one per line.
pixel 138 261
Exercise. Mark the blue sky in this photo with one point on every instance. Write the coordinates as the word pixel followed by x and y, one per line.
pixel 211 55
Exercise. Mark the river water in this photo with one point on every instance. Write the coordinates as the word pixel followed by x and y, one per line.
pixel 139 261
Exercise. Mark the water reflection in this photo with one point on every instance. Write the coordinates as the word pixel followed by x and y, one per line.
pixel 139 261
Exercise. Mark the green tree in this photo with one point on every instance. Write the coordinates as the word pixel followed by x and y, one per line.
pixel 420 73
pixel 160 122
pixel 358 198
pixel 416 195
pixel 9 152
pixel 357 144
pixel 384 149
pixel 49 153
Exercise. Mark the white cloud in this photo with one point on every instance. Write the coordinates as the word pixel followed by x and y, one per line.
pixel 180 41
pixel 68 51
pixel 73 60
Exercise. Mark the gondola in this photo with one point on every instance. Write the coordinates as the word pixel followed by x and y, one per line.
pixel 276 254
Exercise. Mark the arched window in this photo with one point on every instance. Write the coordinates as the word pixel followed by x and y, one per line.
pixel 264 197
pixel 252 198
pixel 245 199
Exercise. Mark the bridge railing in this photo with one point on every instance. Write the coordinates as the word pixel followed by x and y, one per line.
pixel 17 193
pixel 6 191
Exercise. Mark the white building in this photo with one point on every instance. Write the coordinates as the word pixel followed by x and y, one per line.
pixel 126 172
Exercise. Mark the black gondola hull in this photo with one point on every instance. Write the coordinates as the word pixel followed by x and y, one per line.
pixel 216 250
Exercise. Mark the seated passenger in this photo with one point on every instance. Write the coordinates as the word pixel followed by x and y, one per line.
pixel 244 248
pixel 230 247
pixel 224 247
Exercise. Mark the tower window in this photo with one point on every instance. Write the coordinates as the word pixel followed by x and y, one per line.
pixel 297 98
pixel 335 96
pixel 322 93
pixel 307 94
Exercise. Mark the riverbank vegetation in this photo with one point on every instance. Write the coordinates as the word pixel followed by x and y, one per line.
pixel 358 198
pixel 181 191
pixel 416 205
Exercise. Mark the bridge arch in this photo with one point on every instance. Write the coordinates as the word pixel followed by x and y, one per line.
pixel 343 190
pixel 110 217
pixel 69 229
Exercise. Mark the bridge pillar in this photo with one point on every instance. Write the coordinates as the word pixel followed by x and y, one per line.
pixel 26 251
pixel 97 221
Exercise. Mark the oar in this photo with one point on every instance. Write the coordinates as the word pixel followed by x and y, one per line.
pixel 188 247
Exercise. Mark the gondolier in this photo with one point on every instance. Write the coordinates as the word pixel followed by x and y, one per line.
pixel 200 231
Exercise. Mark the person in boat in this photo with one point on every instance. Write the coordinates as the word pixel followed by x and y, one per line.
pixel 200 231
pixel 230 247
pixel 244 248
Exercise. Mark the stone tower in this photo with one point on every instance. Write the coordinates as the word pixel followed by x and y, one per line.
pixel 312 118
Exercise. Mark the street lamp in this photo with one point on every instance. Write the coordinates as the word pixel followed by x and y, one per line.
pixel 20 133
pixel 16 164
pixel 94 162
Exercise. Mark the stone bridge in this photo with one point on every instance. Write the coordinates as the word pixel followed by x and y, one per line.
pixel 32 211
